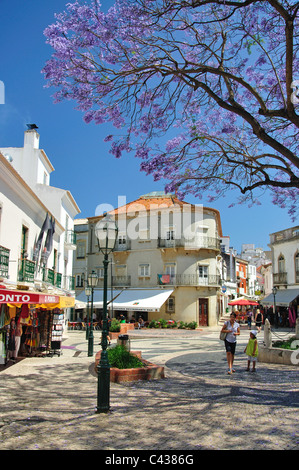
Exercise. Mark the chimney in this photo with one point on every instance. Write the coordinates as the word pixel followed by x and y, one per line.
pixel 31 137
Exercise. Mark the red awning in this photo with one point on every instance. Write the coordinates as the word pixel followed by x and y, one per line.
pixel 26 297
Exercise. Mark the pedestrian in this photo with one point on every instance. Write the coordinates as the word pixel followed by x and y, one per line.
pixel 232 330
pixel 249 318
pixel 258 319
pixel 252 350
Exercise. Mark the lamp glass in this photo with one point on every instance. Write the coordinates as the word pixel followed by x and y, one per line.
pixel 92 279
pixel 106 232
pixel 87 291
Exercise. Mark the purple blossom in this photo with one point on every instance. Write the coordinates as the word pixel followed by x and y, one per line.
pixel 148 71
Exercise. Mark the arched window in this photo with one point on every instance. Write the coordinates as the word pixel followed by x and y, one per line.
pixel 281 264
pixel 297 267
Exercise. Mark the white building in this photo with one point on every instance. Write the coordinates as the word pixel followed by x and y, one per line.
pixel 256 256
pixel 26 201
pixel 165 264
pixel 285 267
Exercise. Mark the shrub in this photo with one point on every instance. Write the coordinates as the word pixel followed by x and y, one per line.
pixel 154 324
pixel 163 323
pixel 121 358
pixel 192 325
pixel 287 344
pixel 114 325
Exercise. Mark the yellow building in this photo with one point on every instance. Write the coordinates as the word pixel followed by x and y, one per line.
pixel 165 263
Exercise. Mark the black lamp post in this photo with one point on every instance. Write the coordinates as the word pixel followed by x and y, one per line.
pixel 87 293
pixel 274 292
pixel 92 282
pixel 106 231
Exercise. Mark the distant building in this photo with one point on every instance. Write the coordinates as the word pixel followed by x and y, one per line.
pixel 256 256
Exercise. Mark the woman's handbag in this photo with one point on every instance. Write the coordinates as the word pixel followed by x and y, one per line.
pixel 222 335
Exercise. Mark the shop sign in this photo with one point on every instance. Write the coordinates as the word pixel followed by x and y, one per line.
pixel 19 297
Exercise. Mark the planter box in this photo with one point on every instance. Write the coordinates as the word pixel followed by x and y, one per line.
pixel 278 356
pixel 148 372
pixel 124 328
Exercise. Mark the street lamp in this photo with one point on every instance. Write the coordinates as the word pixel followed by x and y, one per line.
pixel 106 232
pixel 88 294
pixel 92 282
pixel 274 292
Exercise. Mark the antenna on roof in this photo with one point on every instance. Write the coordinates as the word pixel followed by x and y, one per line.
pixel 31 126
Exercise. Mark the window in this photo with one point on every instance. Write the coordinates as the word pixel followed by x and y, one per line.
pixel 55 257
pixel 122 240
pixel 170 269
pixel 79 280
pixel 170 305
pixel 81 249
pixel 170 235
pixel 24 242
pixel 203 271
pixel 297 263
pixel 281 264
pixel 121 270
pixel 144 270
pixel 100 272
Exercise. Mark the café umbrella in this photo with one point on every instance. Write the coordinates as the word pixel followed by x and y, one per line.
pixel 243 302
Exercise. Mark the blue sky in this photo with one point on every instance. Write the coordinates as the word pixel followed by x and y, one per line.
pixel 80 157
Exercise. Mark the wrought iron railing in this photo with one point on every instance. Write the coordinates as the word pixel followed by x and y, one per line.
pixel 4 261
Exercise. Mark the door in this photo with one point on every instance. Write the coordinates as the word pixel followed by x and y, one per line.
pixel 203 312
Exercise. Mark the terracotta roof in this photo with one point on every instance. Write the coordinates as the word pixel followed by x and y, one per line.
pixel 147 203
pixel 154 201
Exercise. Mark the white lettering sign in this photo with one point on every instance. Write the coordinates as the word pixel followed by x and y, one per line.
pixel 14 298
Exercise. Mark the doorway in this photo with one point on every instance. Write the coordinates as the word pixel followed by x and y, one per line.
pixel 203 312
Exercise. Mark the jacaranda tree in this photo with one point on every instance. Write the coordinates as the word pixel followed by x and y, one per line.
pixel 204 92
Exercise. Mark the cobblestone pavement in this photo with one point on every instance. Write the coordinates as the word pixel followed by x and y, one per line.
pixel 49 403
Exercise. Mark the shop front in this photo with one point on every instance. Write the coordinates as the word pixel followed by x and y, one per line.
pixel 282 308
pixel 31 323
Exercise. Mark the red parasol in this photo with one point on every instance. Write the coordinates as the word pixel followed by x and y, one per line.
pixel 243 302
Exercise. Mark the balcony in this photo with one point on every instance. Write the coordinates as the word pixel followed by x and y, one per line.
pixel 198 243
pixel 26 269
pixel 280 278
pixel 68 282
pixel 123 245
pixel 52 277
pixel 4 261
pixel 70 240
pixel 189 280
pixel 117 281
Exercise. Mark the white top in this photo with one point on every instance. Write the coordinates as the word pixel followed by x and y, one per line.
pixel 230 337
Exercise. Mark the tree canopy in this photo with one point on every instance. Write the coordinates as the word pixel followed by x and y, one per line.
pixel 204 92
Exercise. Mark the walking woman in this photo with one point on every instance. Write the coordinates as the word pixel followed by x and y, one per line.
pixel 232 328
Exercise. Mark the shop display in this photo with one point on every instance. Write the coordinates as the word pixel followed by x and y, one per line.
pixel 57 330
pixel 28 331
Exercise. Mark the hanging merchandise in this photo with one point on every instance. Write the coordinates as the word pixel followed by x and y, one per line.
pixel 25 311
pixel 11 340
pixel 31 323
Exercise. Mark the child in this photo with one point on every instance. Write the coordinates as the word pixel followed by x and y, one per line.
pixel 252 350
